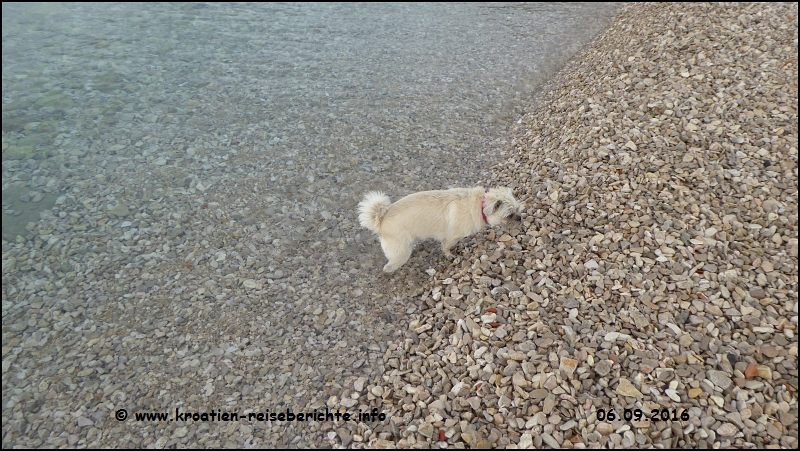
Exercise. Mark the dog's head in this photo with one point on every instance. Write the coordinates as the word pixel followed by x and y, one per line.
pixel 500 207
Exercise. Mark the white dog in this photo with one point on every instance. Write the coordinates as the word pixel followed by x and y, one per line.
pixel 446 215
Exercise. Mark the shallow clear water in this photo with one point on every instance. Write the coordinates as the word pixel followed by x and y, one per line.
pixel 398 97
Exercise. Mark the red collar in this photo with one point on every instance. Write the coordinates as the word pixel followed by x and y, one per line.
pixel 483 205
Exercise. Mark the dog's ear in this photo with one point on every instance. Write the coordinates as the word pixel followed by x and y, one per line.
pixel 493 206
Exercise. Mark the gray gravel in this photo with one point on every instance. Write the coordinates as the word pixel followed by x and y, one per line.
pixel 656 267
pixel 198 259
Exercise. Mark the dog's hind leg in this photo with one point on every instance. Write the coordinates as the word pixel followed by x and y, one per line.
pixel 397 253
pixel 448 243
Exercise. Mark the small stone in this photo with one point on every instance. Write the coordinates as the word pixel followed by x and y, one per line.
pixel 695 392
pixel 549 404
pixel 605 428
pixel 758 292
pixel 438 404
pixel 83 422
pixel 358 385
pixel 475 440
pixel 423 328
pixel 539 394
pixel 519 380
pixel 771 408
pixel 770 351
pixel 500 332
pixel 568 365
pixel 673 395
pixel 345 436
pixel 764 372
pixel 751 371
pixel 551 383
pixel 603 367
pixel 727 430
pixel 525 441
pixel 469 439
pixel 568 425
pixel 118 211
pixel 774 431
pixel 552 442
pixel 625 388
pixel 719 379
pixel 426 429
pixel 788 417
pixel 473 328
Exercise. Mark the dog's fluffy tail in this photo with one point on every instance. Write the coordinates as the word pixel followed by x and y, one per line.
pixel 372 209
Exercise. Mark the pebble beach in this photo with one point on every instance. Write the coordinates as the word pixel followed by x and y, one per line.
pixel 653 275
